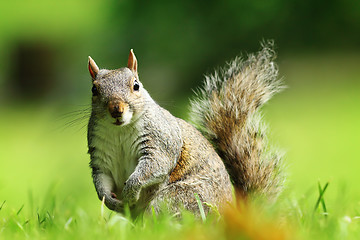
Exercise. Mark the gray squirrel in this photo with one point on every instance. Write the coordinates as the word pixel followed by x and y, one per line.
pixel 143 157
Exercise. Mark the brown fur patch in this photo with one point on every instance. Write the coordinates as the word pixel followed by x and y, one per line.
pixel 183 165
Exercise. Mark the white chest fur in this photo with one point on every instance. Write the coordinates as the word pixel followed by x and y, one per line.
pixel 115 151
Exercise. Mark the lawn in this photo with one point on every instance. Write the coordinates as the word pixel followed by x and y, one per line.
pixel 47 192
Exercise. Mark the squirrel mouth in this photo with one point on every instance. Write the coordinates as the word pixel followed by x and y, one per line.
pixel 118 122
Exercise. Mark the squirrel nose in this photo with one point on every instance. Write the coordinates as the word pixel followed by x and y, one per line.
pixel 116 113
pixel 116 110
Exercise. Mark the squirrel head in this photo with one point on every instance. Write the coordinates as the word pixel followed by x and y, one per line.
pixel 118 95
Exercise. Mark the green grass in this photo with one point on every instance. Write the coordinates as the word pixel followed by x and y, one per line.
pixel 298 218
pixel 46 191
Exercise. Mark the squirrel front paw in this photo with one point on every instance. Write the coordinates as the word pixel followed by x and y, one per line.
pixel 131 191
pixel 112 202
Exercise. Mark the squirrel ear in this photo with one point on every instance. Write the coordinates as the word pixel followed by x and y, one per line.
pixel 93 68
pixel 132 62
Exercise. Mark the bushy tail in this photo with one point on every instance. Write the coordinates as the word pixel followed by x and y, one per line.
pixel 226 111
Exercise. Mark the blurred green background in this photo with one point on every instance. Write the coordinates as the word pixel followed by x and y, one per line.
pixel 45 86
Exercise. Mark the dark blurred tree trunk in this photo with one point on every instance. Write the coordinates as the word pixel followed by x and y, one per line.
pixel 33 71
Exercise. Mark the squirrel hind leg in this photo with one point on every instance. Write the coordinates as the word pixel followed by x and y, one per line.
pixel 176 198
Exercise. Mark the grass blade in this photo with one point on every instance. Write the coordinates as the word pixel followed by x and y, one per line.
pixel 102 207
pixel 153 214
pixel 40 221
pixel 66 226
pixel 321 197
pixel 201 208
pixel 18 212
pixel 2 204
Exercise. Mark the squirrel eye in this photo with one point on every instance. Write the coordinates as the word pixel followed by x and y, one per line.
pixel 136 85
pixel 94 90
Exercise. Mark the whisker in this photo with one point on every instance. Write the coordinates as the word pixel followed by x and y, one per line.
pixel 76 121
pixel 75 113
pixel 75 118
